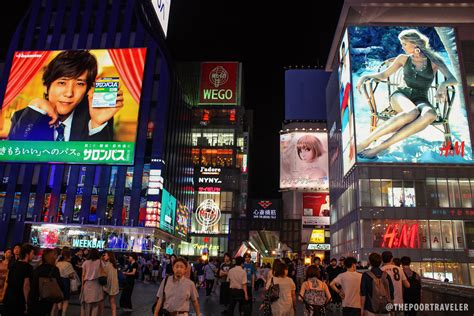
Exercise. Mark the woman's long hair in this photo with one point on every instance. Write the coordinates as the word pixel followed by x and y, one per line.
pixel 423 43
pixel 112 259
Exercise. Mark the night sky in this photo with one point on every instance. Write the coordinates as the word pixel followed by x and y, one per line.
pixel 265 36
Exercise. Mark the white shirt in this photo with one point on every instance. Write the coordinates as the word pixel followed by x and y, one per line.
pixel 350 283
pixel 237 278
pixel 397 276
pixel 68 124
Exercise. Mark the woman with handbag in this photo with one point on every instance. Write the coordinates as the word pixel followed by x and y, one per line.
pixel 112 287
pixel 314 293
pixel 285 305
pixel 46 286
pixel 67 273
pixel 92 294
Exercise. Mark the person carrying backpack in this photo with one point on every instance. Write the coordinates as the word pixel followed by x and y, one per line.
pixel 314 293
pixel 376 288
pixel 411 295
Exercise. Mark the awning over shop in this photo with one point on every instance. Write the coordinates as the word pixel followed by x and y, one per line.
pixel 267 243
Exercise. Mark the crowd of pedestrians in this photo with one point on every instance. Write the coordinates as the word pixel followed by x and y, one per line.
pixel 45 287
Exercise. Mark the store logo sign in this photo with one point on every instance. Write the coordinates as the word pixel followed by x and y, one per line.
pixel 218 76
pixel 208 214
pixel 84 243
pixel 219 83
pixel 406 237
pixel 265 204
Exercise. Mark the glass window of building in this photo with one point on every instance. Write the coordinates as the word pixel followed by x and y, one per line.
pixel 226 201
pixel 77 208
pixel 454 193
pixel 420 193
pixel 447 233
pixel 435 235
pixel 46 202
pixel 129 180
pixel 459 235
pixel 443 195
pixel 31 206
pixel 61 206
pixel 409 199
pixel 397 193
pixel 364 192
pixel 113 180
pixel 16 205
pixel 431 192
pixel 110 207
pixel 195 156
pixel 375 193
pixel 126 209
pixel 386 188
pixel 217 157
pixel 466 195
pixel 93 209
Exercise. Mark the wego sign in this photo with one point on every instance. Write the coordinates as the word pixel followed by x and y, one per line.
pixel 219 83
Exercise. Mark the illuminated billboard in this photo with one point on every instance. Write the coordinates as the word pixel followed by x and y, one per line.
pixel 220 83
pixel 409 103
pixel 346 106
pixel 168 212
pixel 76 106
pixel 182 221
pixel 304 160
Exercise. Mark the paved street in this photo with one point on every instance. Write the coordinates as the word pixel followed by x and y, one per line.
pixel 144 296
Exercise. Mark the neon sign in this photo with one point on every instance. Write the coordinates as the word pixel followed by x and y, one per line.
pixel 406 237
pixel 208 214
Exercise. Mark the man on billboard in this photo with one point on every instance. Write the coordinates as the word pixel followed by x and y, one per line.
pixel 410 102
pixel 65 113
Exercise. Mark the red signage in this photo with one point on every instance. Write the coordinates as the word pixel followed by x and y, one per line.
pixel 404 237
pixel 316 204
pixel 219 83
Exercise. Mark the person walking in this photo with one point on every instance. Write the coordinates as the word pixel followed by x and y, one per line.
pixel 47 269
pixel 249 267
pixel 286 303
pixel 19 277
pixel 237 278
pixel 411 295
pixel 210 275
pixel 300 274
pixel 224 295
pixel 399 280
pixel 314 293
pixel 130 276
pixel 176 292
pixel 349 291
pixel 332 271
pixel 376 288
pixel 111 289
pixel 67 273
pixel 92 294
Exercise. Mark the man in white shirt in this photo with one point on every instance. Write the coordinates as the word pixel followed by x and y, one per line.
pixel 349 282
pixel 399 279
pixel 237 279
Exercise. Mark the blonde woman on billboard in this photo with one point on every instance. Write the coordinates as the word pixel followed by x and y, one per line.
pixel 309 149
pixel 414 111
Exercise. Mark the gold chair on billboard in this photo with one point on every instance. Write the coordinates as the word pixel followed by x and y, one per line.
pixel 443 109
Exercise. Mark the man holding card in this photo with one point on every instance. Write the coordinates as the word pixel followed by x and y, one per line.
pixel 65 113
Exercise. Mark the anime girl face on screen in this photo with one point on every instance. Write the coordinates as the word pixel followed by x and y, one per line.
pixel 421 116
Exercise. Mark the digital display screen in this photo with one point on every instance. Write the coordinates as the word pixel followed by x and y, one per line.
pixel 168 212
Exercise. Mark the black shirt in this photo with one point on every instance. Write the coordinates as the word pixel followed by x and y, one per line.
pixel 366 287
pixel 35 306
pixel 16 277
pixel 130 269
pixel 333 272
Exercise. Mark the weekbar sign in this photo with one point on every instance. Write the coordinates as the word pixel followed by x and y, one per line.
pixel 219 84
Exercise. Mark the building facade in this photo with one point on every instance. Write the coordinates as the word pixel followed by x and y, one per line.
pixel 412 203
pixel 105 205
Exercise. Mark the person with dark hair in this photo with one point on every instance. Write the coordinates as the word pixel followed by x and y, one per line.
pixel 65 112
pixel 286 303
pixel 399 279
pixel 371 294
pixel 177 291
pixel 250 269
pixel 48 268
pixel 349 283
pixel 224 295
pixel 322 272
pixel 16 255
pixel 130 276
pixel 332 271
pixel 237 278
pixel 210 276
pixel 314 293
pixel 92 294
pixel 67 273
pixel 397 262
pixel 111 289
pixel 411 295
pixel 19 275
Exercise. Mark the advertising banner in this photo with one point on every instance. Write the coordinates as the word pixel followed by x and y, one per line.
pixel 311 221
pixel 346 106
pixel 168 212
pixel 316 204
pixel 220 83
pixel 182 221
pixel 304 160
pixel 264 209
pixel 317 236
pixel 409 103
pixel 76 106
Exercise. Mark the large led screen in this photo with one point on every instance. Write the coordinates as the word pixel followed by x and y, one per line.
pixel 304 160
pixel 346 106
pixel 182 221
pixel 168 212
pixel 409 102
pixel 75 106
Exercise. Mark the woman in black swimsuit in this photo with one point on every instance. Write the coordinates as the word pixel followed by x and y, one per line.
pixel 414 111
